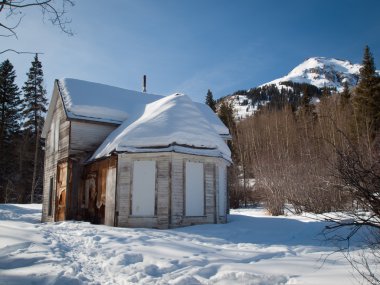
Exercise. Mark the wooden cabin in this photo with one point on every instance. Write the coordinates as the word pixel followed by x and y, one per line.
pixel 132 159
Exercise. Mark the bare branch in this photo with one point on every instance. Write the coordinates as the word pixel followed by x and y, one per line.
pixel 20 52
pixel 57 16
pixel 14 4
pixel 10 29
pixel 6 36
pixel 53 13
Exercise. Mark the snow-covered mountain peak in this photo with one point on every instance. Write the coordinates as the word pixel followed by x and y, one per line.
pixel 318 71
pixel 322 72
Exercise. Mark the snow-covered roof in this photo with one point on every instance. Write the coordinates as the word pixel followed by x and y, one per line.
pixel 103 103
pixel 99 102
pixel 172 123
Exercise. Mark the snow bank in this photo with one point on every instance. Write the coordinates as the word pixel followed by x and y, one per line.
pixel 252 248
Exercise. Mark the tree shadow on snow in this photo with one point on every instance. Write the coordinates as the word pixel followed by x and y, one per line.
pixel 13 279
pixel 18 213
pixel 268 231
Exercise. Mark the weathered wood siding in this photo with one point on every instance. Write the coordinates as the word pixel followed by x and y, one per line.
pixel 93 203
pixel 109 218
pixel 178 175
pixel 123 177
pixel 57 147
pixel 163 190
pixel 62 189
pixel 211 190
pixel 72 142
pixel 125 186
pixel 170 187
pixel 177 194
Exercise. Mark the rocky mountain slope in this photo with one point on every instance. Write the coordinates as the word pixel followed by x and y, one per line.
pixel 320 72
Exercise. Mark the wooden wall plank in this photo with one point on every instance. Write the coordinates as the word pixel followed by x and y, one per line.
pixel 163 191
pixel 53 153
pixel 123 190
pixel 177 198
pixel 110 197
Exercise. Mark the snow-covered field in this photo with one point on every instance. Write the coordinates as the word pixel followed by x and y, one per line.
pixel 252 248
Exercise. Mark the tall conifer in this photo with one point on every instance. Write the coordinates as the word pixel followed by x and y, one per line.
pixel 10 102
pixel 367 100
pixel 226 115
pixel 368 71
pixel 34 108
pixel 345 95
pixel 10 106
pixel 210 100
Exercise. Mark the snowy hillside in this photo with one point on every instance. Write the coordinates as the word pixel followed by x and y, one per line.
pixel 252 248
pixel 322 72
pixel 242 106
pixel 318 71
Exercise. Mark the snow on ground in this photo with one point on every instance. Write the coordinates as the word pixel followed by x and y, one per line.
pixel 252 248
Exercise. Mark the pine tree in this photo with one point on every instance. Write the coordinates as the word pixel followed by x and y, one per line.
pixel 367 100
pixel 368 71
pixel 34 98
pixel 345 95
pixel 306 97
pixel 325 92
pixel 306 102
pixel 226 114
pixel 10 107
pixel 210 100
pixel 34 108
pixel 10 102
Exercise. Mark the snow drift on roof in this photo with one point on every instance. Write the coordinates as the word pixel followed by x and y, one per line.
pixel 172 123
pixel 213 119
pixel 99 102
pixel 104 103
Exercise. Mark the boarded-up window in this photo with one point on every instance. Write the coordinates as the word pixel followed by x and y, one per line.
pixel 222 190
pixel 50 205
pixel 144 188
pixel 194 189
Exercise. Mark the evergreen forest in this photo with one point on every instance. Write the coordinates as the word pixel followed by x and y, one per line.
pixel 22 112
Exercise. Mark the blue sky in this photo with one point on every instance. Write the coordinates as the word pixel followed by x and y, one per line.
pixel 191 46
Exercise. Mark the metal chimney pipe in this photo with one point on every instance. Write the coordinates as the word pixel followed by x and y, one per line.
pixel 144 84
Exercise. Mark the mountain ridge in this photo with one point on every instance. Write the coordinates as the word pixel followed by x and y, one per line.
pixel 319 72
pixel 322 72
